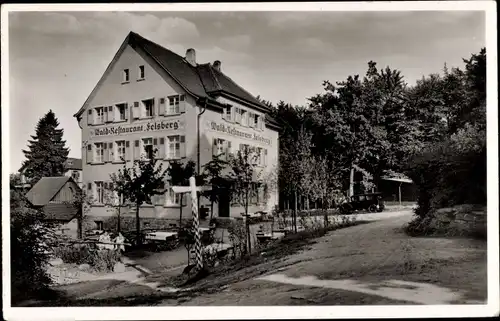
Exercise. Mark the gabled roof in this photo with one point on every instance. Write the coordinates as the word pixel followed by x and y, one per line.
pixel 216 81
pixel 73 163
pixel 45 189
pixel 60 212
pixel 201 81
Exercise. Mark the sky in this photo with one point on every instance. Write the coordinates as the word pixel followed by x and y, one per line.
pixel 56 58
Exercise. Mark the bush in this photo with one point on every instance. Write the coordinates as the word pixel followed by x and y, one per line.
pixel 447 175
pixel 29 250
pixel 100 260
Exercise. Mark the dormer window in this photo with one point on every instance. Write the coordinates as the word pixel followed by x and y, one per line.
pixel 126 75
pixel 141 72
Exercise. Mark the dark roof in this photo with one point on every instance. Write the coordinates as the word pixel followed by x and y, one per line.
pixel 203 80
pixel 73 163
pixel 45 189
pixel 174 64
pixel 60 212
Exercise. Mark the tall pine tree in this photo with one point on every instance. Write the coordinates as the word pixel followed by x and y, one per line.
pixel 47 152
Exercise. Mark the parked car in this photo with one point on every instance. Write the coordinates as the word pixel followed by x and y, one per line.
pixel 371 202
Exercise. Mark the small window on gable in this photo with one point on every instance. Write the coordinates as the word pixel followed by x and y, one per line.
pixel 126 75
pixel 141 72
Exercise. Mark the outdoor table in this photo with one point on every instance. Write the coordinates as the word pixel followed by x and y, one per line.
pixel 165 239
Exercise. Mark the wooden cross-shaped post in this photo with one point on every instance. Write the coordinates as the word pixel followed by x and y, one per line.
pixel 193 189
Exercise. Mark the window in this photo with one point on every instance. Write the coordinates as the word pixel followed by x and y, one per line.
pixel 174 198
pixel 148 107
pixel 99 115
pixel 244 118
pixel 174 104
pixel 244 148
pixel 219 147
pixel 238 114
pixel 120 150
pixel 255 120
pixel 141 72
pixel 122 111
pixel 75 175
pixel 99 188
pixel 174 147
pixel 99 225
pixel 147 143
pixel 259 156
pixel 229 111
pixel 126 75
pixel 99 153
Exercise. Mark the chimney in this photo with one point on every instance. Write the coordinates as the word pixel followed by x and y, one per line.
pixel 191 56
pixel 217 65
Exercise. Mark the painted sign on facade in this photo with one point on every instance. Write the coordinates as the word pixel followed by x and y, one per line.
pixel 144 127
pixel 233 131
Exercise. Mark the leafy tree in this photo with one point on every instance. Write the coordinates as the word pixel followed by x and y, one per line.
pixel 242 177
pixel 179 176
pixel 47 152
pixel 29 249
pixel 139 183
pixel 212 174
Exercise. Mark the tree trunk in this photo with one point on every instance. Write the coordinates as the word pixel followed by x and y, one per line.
pixel 247 223
pixel 119 219
pixel 351 182
pixel 211 209
pixel 294 217
pixel 180 211
pixel 325 212
pixel 138 238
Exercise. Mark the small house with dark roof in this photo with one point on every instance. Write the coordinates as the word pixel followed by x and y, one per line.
pixel 150 98
pixel 72 168
pixel 56 197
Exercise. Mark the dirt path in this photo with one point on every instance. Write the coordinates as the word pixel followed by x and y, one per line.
pixel 373 263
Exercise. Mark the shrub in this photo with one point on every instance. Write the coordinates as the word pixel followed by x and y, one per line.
pixel 100 260
pixel 447 175
pixel 29 250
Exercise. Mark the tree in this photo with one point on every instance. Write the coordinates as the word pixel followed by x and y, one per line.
pixel 47 152
pixel 212 174
pixel 242 177
pixel 139 183
pixel 29 250
pixel 179 176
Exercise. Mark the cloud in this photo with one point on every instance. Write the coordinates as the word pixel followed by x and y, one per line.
pixel 238 41
pixel 106 25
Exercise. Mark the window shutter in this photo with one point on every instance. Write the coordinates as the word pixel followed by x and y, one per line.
pixel 105 114
pixel 153 108
pixel 182 106
pixel 111 152
pixel 161 106
pixel 90 118
pixel 156 151
pixel 136 112
pixel 265 157
pixel 229 150
pixel 224 110
pixel 126 111
pixel 183 146
pixel 214 147
pixel 111 114
pixel 161 148
pixel 251 120
pixel 105 152
pixel 137 150
pixel 90 155
pixel 128 154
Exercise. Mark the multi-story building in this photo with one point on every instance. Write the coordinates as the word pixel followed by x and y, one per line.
pixel 150 98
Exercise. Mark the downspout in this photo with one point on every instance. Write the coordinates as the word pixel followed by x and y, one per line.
pixel 198 146
pixel 198 134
